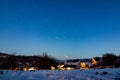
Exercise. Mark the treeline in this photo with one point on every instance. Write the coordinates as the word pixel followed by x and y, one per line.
pixel 110 59
pixel 43 61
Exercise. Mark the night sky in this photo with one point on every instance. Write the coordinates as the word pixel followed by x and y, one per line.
pixel 62 28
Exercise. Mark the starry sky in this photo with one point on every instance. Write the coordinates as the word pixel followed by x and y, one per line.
pixel 62 28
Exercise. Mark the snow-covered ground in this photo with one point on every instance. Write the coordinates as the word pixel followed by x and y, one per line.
pixel 93 74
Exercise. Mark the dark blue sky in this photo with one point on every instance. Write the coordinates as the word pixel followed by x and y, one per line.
pixel 73 28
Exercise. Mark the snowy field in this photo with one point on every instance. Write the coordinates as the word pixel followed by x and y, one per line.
pixel 98 74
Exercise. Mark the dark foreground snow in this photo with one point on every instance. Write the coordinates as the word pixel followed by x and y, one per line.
pixel 98 74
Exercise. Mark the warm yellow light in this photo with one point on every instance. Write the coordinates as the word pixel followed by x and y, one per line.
pixel 32 68
pixel 68 68
pixel 61 66
pixel 94 62
pixel 82 64
pixel 25 69
pixel 52 68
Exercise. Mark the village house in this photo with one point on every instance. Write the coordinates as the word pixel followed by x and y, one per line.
pixel 97 62
pixel 85 64
pixel 75 64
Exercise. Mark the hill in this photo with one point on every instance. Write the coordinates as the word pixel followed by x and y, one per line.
pixel 8 61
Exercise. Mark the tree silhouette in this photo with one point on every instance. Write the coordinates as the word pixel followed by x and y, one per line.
pixel 109 59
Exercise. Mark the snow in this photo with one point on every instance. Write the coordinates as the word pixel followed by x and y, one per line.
pixel 92 74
